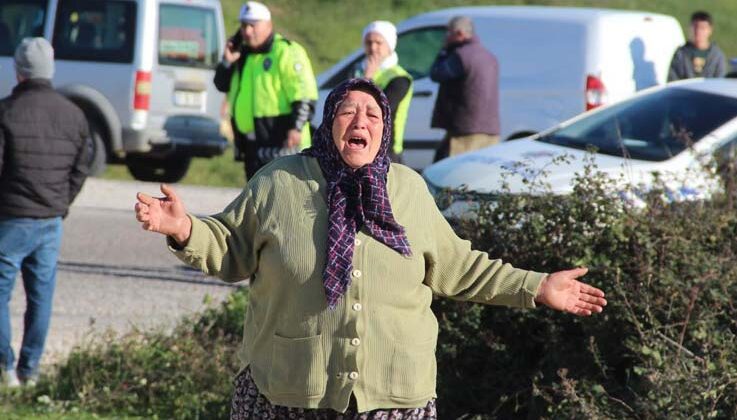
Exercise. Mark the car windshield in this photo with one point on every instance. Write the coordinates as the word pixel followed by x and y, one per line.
pixel 652 127
pixel 188 36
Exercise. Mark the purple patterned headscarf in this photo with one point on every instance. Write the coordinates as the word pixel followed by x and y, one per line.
pixel 356 197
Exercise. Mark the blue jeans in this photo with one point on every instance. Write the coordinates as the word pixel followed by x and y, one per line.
pixel 32 247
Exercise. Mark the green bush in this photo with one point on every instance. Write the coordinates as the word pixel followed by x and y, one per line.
pixel 664 346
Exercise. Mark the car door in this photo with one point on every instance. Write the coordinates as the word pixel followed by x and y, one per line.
pixel 94 51
pixel 417 49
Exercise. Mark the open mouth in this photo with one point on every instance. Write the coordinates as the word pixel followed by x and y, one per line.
pixel 357 143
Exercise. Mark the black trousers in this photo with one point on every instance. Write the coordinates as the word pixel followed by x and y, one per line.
pixel 246 151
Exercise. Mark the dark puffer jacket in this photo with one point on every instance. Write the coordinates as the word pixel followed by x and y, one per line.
pixel 44 151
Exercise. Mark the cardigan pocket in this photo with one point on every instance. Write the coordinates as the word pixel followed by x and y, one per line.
pixel 413 370
pixel 297 367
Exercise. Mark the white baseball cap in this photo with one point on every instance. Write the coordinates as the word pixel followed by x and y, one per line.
pixel 254 11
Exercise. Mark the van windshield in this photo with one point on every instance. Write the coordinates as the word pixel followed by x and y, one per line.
pixel 20 19
pixel 653 127
pixel 101 31
pixel 188 37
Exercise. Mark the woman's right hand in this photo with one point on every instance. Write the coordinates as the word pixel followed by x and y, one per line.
pixel 164 215
pixel 372 66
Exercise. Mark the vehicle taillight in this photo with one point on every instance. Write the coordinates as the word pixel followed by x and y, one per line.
pixel 142 91
pixel 595 92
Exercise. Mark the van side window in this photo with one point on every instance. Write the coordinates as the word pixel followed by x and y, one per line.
pixel 417 50
pixel 188 37
pixel 20 19
pixel 95 31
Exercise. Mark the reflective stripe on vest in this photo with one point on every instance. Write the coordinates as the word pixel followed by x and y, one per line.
pixel 382 78
pixel 269 83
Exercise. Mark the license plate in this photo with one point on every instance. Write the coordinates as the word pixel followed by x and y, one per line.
pixel 188 99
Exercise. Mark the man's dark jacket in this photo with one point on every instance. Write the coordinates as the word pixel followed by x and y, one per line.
pixel 44 151
pixel 467 103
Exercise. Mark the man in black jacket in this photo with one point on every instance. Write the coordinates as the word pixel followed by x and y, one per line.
pixel 44 160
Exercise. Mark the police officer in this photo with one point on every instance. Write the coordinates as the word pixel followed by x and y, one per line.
pixel 271 90
pixel 382 66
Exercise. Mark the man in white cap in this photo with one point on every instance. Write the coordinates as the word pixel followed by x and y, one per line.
pixel 44 160
pixel 382 66
pixel 271 90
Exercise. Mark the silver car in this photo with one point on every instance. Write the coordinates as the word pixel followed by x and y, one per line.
pixel 141 70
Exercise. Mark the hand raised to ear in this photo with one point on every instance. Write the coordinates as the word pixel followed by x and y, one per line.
pixel 164 215
pixel 563 292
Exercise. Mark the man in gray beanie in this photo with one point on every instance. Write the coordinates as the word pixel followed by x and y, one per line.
pixel 44 160
pixel 34 59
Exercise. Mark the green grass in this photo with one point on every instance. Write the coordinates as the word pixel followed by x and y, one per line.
pixel 330 29
pixel 220 171
pixel 23 412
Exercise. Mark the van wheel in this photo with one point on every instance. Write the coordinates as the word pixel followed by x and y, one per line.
pixel 97 151
pixel 171 169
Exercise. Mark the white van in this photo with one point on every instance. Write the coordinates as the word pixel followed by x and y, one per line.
pixel 141 70
pixel 555 62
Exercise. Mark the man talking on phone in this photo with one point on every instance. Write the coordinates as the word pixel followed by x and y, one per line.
pixel 271 90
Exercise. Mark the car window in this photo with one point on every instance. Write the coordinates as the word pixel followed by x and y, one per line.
pixel 95 31
pixel 345 73
pixel 20 19
pixel 416 50
pixel 651 127
pixel 188 37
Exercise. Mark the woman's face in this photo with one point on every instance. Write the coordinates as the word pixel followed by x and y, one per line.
pixel 357 129
pixel 375 45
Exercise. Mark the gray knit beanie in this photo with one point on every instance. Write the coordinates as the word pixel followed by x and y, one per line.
pixel 34 59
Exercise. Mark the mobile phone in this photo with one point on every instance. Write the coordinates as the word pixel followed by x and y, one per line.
pixel 236 41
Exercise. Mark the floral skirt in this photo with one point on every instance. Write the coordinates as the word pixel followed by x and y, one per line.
pixel 248 403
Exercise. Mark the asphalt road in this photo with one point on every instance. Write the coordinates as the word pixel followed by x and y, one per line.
pixel 114 276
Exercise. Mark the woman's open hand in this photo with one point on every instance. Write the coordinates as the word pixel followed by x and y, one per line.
pixel 561 291
pixel 164 215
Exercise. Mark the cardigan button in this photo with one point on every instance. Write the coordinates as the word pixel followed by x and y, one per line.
pixel 353 375
pixel 357 273
pixel 357 242
pixel 356 342
pixel 357 307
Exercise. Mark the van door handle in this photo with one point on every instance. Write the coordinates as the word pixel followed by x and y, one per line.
pixel 423 93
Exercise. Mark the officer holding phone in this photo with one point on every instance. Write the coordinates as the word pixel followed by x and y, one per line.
pixel 271 90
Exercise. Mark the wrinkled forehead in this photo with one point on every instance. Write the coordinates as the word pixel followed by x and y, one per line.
pixel 350 99
pixel 359 101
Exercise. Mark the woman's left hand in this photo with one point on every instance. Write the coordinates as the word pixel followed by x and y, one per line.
pixel 561 291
